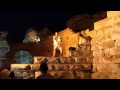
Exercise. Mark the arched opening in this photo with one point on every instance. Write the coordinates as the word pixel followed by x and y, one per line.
pixel 23 57
pixel 30 50
pixel 57 53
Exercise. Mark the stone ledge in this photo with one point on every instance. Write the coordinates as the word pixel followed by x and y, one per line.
pixel 112 13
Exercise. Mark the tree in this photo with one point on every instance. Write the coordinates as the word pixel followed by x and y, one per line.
pixel 100 16
pixel 31 36
pixel 80 22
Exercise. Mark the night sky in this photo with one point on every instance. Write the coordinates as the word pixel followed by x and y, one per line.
pixel 17 22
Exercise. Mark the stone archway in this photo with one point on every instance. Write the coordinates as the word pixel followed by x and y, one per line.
pixel 34 49
pixel 23 57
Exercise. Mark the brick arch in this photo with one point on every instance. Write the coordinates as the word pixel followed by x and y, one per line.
pixel 24 50
pixel 33 49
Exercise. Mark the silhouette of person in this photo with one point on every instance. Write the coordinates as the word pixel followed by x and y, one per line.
pixel 4 74
pixel 12 75
pixel 44 69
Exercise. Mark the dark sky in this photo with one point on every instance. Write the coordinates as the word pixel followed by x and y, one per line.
pixel 18 22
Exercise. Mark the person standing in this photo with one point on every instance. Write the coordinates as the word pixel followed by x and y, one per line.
pixel 12 75
pixel 44 71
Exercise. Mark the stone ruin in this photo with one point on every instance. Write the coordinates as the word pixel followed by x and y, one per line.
pixel 76 64
pixel 96 57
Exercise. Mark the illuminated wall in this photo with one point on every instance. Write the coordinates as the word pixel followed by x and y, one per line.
pixel 69 39
pixel 106 47
pixel 97 60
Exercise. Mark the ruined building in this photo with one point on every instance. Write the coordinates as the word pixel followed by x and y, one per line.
pixel 93 55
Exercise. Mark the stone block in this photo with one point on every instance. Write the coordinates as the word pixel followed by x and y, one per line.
pixel 113 50
pixel 58 74
pixel 115 36
pixel 82 74
pixel 108 29
pixel 116 59
pixel 115 75
pixel 104 75
pixel 94 68
pixel 113 13
pixel 94 75
pixel 71 67
pixel 118 50
pixel 71 60
pixel 93 33
pixel 107 54
pixel 103 22
pixel 51 67
pixel 95 47
pixel 67 75
pixel 81 60
pixel 85 74
pixel 106 38
pixel 95 59
pixel 108 67
pixel 89 59
pixel 87 66
pixel 108 44
pixel 77 74
pixel 117 42
pixel 78 67
pixel 98 53
pixel 61 67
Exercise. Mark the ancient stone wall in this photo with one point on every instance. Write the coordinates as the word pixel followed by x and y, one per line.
pixel 105 45
pixel 69 39
pixel 98 59
pixel 48 46
pixel 76 66
pixel 68 67
pixel 33 49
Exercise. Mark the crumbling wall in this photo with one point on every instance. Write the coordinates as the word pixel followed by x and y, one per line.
pixel 69 39
pixel 68 67
pixel 98 59
pixel 76 66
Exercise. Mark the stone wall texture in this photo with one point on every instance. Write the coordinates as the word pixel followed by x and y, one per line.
pixel 69 67
pixel 105 45
pixel 69 39
pixel 76 66
pixel 103 52
pixel 98 58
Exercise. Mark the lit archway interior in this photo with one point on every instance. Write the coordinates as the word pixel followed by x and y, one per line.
pixel 23 57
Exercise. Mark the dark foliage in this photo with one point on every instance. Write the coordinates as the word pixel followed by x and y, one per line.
pixel 80 22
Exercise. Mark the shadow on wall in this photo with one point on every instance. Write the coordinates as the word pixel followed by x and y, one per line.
pixel 57 53
pixel 2 64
